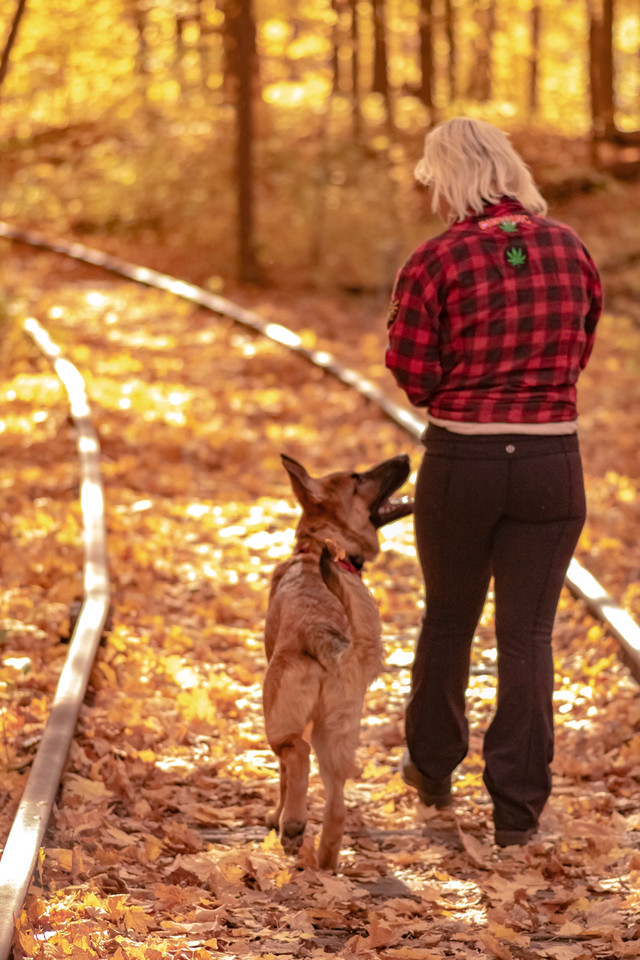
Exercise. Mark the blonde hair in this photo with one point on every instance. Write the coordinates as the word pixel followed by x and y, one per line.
pixel 469 163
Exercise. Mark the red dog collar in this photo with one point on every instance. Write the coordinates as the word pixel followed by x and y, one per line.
pixel 346 564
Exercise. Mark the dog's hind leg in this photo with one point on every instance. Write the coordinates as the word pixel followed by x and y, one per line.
pixel 273 818
pixel 335 748
pixel 294 782
pixel 288 698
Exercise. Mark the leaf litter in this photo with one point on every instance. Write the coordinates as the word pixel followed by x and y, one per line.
pixel 157 845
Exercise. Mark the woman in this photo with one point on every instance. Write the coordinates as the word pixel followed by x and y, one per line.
pixel 490 325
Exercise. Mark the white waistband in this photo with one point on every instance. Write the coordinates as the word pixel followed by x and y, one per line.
pixel 558 428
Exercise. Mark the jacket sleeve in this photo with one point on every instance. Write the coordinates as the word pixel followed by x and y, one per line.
pixel 594 312
pixel 413 355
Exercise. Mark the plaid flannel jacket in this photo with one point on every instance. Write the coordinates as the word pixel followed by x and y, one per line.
pixel 493 320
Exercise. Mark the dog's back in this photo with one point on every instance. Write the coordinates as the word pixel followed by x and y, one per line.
pixel 321 612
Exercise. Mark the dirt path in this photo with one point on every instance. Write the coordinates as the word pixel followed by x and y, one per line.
pixel 157 847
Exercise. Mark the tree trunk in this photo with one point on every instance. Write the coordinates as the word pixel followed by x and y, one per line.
pixel 335 48
pixel 380 82
pixel 203 45
pixel 142 53
pixel 481 81
pixel 355 71
pixel 179 49
pixel 243 66
pixel 534 60
pixel 11 39
pixel 449 26
pixel 426 52
pixel 601 70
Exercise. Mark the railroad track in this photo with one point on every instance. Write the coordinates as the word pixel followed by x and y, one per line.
pixel 25 837
pixel 21 850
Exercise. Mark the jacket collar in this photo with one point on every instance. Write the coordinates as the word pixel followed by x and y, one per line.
pixel 504 207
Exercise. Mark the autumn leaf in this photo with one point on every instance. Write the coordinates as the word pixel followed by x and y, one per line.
pixel 479 854
pixel 137 921
pixel 494 946
pixel 383 934
pixel 412 953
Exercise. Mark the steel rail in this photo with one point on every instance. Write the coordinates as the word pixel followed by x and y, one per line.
pixel 579 580
pixel 25 838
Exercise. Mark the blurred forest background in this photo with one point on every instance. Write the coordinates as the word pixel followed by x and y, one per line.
pixel 265 149
pixel 274 140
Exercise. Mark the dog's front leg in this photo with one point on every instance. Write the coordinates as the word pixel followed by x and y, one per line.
pixel 287 725
pixel 273 818
pixel 335 813
pixel 294 782
pixel 335 740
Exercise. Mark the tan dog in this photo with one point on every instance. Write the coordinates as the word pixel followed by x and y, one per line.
pixel 322 640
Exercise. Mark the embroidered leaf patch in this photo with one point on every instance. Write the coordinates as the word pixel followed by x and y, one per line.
pixel 509 226
pixel 516 256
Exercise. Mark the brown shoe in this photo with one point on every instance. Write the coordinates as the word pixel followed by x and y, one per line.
pixel 433 793
pixel 514 838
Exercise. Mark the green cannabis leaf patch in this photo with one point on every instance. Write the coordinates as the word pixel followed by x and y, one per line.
pixel 509 226
pixel 516 256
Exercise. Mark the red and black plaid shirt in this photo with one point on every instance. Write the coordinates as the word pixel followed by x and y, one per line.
pixel 493 320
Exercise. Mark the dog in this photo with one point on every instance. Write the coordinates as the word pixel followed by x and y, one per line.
pixel 323 640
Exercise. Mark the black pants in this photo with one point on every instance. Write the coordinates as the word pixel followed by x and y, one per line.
pixel 511 507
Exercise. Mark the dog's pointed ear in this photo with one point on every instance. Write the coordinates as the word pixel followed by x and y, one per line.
pixel 304 487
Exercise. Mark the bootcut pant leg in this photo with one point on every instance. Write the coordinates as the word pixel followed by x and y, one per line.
pixel 533 546
pixel 457 503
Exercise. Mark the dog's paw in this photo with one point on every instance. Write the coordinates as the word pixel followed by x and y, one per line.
pixel 291 835
pixel 328 857
pixel 272 820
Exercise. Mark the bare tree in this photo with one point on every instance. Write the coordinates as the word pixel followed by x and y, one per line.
pixel 243 66
pixel 335 48
pixel 380 83
pixel 601 70
pixel 481 80
pixel 425 30
pixel 356 115
pixel 138 14
pixel 449 27
pixel 11 39
pixel 534 59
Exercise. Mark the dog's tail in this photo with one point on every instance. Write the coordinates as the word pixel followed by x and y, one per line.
pixel 332 576
pixel 358 603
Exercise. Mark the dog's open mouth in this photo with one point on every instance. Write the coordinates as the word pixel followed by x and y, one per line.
pixel 389 510
pixel 389 476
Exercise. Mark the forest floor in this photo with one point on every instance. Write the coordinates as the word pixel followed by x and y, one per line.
pixel 157 847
